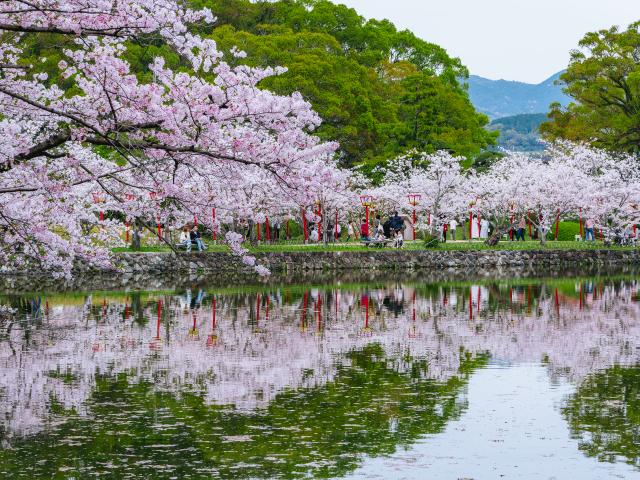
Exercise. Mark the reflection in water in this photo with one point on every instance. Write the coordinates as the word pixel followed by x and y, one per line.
pixel 604 414
pixel 288 381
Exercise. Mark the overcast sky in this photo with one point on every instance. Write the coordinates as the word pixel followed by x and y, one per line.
pixel 526 40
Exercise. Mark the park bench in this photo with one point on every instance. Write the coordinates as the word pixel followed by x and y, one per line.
pixel 377 243
pixel 194 246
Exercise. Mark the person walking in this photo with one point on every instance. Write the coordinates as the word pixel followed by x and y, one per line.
pixel 453 225
pixel 351 235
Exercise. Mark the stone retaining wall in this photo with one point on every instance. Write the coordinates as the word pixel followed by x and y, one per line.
pixel 374 260
pixel 153 271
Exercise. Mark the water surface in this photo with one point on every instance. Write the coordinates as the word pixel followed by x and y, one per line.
pixel 466 379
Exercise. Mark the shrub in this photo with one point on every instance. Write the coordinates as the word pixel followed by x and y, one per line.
pixel 430 241
pixel 567 231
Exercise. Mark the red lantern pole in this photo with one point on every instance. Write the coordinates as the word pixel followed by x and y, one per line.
pixel 267 230
pixel 159 227
pixel 195 219
pixel 415 219
pixel 304 226
pixel 365 304
pixel 529 223
pixel 127 231
pixel 557 224
pixel 258 229
pixel 581 223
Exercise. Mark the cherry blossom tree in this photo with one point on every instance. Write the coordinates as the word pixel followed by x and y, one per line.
pixel 439 180
pixel 150 152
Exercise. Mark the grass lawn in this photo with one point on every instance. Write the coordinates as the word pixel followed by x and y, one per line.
pixel 418 245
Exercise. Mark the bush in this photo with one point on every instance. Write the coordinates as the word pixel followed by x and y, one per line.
pixel 430 241
pixel 567 231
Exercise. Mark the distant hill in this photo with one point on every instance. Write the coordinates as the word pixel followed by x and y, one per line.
pixel 503 98
pixel 520 133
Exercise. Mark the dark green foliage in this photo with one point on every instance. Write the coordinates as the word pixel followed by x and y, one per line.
pixel 379 91
pixel 567 231
pixel 431 241
pixel 604 415
pixel 603 78
pixel 132 430
pixel 520 133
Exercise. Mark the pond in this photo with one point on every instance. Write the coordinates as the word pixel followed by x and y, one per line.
pixel 528 378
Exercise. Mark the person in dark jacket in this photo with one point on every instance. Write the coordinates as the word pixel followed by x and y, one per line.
pixel 396 222
pixel 197 238
pixel 387 228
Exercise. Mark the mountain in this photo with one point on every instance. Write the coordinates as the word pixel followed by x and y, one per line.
pixel 503 98
pixel 520 133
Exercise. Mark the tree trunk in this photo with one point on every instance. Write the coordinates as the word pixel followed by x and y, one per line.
pixel 493 240
pixel 135 240
pixel 542 233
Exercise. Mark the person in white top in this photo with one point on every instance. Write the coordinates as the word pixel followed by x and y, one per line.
pixel 185 238
pixel 452 228
pixel 484 228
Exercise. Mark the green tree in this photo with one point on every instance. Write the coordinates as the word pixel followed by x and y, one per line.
pixel 437 117
pixel 604 78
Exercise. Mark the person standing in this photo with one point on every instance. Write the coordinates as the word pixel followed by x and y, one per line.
pixel 484 228
pixel 364 230
pixel 396 223
pixel 453 225
pixel 589 230
pixel 522 224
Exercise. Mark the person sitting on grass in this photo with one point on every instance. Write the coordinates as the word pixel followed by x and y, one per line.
pixel 380 232
pixel 197 238
pixel 185 238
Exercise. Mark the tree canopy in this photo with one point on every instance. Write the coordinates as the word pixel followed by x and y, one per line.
pixel 604 79
pixel 379 91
